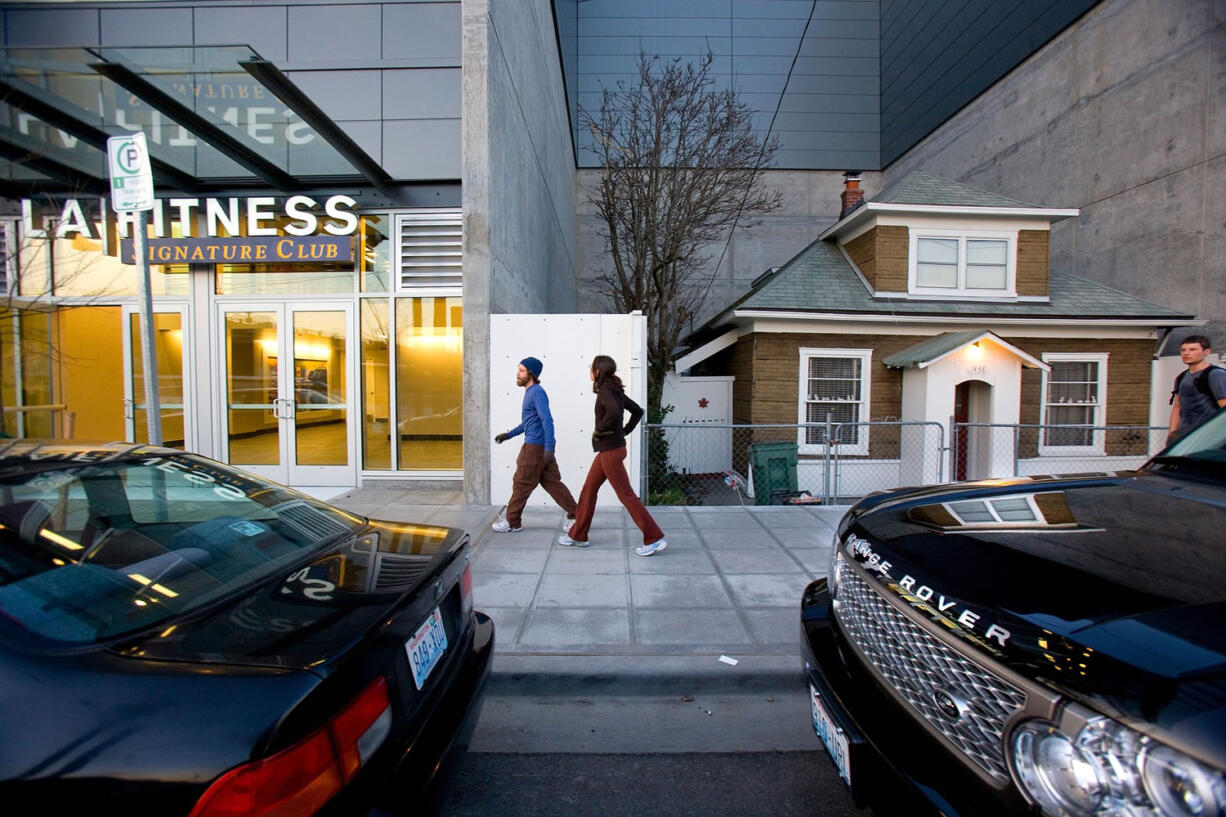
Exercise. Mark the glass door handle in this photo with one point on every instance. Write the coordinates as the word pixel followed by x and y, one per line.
pixel 129 409
pixel 288 408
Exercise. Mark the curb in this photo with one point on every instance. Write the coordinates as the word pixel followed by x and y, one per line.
pixel 642 675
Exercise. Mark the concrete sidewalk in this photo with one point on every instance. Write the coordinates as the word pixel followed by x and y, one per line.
pixel 729 583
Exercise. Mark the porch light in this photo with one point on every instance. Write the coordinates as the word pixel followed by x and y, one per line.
pixel 974 351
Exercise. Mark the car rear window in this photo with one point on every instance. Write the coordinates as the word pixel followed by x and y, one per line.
pixel 89 553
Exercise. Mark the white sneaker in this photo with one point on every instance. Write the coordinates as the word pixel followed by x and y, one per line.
pixel 564 539
pixel 567 521
pixel 503 526
pixel 654 547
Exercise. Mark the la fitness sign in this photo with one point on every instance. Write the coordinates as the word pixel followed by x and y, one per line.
pixel 259 229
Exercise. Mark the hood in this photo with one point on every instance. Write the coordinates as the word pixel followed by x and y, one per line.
pixel 313 611
pixel 1110 588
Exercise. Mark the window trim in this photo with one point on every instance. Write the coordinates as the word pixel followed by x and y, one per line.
pixel 1098 437
pixel 865 356
pixel 961 291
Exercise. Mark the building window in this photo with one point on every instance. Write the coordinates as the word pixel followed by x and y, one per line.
pixel 979 265
pixel 1073 410
pixel 834 383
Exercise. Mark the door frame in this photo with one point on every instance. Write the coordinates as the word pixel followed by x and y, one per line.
pixel 287 471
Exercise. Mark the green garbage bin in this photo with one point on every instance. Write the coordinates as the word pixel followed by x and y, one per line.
pixel 774 469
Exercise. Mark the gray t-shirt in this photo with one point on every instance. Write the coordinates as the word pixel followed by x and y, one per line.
pixel 1194 404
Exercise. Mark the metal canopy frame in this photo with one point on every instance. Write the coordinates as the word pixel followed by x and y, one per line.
pixel 157 98
pixel 21 88
pixel 283 89
pixel 26 100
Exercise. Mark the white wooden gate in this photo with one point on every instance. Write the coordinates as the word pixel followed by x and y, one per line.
pixel 565 344
pixel 698 401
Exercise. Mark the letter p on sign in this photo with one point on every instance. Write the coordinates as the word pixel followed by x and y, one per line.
pixel 131 176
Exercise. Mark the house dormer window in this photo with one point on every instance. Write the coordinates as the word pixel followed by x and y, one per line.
pixel 954 263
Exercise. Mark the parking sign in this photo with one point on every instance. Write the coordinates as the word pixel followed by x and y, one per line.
pixel 131 177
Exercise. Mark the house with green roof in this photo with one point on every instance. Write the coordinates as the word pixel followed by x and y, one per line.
pixel 937 302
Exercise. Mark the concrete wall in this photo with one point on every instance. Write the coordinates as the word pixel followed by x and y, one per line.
pixel 519 193
pixel 810 204
pixel 1124 116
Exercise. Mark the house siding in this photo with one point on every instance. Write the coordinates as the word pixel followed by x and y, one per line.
pixel 862 250
pixel 1128 387
pixel 892 258
pixel 1033 254
pixel 767 387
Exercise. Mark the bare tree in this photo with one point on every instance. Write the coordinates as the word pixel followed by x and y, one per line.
pixel 681 166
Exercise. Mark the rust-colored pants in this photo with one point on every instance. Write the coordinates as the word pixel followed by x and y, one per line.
pixel 610 465
pixel 531 471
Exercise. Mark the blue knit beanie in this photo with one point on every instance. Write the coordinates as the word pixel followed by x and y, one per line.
pixel 533 365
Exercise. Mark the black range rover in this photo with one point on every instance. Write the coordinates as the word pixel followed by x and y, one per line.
pixel 1050 646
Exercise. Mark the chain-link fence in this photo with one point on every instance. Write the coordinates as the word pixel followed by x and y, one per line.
pixel 837 463
pixel 797 463
pixel 992 450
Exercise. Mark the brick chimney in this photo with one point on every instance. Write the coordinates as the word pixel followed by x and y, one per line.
pixel 852 196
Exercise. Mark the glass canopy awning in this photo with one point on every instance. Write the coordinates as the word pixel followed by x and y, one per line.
pixel 215 118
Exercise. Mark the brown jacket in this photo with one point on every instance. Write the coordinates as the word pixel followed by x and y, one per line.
pixel 611 404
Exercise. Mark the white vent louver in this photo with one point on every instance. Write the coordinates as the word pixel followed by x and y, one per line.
pixel 431 250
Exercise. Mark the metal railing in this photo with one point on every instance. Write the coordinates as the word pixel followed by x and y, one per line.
pixel 838 463
pixel 993 450
pixel 788 463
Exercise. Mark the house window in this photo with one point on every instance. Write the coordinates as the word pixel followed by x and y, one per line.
pixel 957 264
pixel 1073 410
pixel 834 383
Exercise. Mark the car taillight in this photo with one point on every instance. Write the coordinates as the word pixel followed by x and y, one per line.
pixel 466 592
pixel 301 779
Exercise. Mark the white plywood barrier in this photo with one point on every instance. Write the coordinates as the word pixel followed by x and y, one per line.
pixel 565 345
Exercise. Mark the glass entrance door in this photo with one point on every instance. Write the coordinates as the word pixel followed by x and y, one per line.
pixel 286 375
pixel 172 357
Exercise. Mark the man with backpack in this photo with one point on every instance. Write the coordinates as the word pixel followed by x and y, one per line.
pixel 1199 392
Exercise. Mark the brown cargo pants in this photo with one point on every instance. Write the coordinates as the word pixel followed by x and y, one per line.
pixel 531 471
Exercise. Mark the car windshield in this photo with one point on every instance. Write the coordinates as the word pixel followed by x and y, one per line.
pixel 90 552
pixel 1205 445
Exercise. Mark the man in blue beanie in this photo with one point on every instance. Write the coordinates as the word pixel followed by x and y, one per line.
pixel 536 464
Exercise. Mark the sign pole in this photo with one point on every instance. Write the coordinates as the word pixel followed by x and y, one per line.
pixel 132 191
pixel 153 404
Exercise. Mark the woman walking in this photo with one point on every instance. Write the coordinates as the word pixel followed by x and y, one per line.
pixel 609 443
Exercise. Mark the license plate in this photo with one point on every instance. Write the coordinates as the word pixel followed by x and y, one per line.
pixel 832 736
pixel 426 647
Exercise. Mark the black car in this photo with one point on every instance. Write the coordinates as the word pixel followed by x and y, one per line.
pixel 1054 645
pixel 181 638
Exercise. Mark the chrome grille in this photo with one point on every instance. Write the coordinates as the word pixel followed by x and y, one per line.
pixel 918 666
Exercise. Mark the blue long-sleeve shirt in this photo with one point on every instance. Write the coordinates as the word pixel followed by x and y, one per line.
pixel 537 422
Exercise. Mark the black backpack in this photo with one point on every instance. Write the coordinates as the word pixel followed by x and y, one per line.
pixel 1201 382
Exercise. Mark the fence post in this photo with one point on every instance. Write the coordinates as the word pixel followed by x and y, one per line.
pixel 644 442
pixel 826 468
pixel 953 448
pixel 1017 448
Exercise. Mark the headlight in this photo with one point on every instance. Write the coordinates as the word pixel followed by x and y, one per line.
pixel 1109 770
pixel 832 572
pixel 1060 777
pixel 1179 785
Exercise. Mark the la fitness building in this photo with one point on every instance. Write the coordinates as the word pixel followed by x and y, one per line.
pixel 306 249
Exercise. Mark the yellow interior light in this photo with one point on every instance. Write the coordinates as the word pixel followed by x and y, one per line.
pixel 52 536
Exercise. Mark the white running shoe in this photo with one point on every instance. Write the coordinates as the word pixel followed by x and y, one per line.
pixel 654 547
pixel 565 539
pixel 503 526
